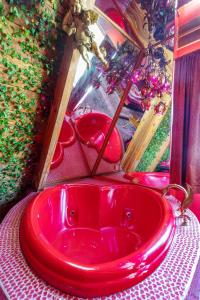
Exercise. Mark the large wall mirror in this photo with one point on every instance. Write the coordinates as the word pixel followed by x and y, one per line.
pixel 95 96
pixel 148 120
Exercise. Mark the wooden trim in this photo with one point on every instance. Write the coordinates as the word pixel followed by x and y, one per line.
pixel 184 16
pixel 134 33
pixel 134 121
pixel 61 98
pixel 159 155
pixel 187 49
pixel 143 136
pixel 188 12
pixel 126 35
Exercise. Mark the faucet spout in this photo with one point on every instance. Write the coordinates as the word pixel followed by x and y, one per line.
pixel 175 186
pixel 187 199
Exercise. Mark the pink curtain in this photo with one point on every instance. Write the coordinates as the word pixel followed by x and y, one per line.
pixel 183 2
pixel 185 149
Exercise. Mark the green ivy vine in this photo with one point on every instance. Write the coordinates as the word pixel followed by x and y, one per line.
pixel 28 36
pixel 166 155
pixel 160 136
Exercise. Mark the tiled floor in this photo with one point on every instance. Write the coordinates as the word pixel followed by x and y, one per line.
pixel 194 292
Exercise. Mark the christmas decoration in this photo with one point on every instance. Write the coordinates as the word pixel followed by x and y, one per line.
pixel 121 64
pixel 146 104
pixel 160 108
pixel 152 79
pixel 159 17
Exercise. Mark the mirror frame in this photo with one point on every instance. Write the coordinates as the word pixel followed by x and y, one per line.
pixel 62 94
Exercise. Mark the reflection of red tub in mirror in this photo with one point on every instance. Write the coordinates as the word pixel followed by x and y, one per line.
pixel 93 240
pixel 92 129
pixel 58 156
pixel 114 15
pixel 156 180
pixel 66 138
pixel 67 134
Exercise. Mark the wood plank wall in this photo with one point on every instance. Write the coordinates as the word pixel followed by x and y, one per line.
pixel 25 55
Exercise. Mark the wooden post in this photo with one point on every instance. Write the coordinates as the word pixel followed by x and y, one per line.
pixel 134 121
pixel 159 155
pixel 142 137
pixel 61 98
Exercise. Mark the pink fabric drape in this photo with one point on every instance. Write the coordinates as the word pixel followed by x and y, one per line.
pixel 185 148
pixel 183 2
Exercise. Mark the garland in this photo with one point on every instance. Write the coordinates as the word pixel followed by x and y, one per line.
pixel 155 144
pixel 26 88
pixel 159 17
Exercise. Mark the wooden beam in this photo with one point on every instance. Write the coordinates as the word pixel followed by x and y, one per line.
pixel 134 121
pixel 159 155
pixel 134 32
pixel 143 136
pixel 61 98
pixel 110 130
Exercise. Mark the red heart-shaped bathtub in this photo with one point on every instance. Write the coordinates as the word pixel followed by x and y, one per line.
pixel 93 240
pixel 92 129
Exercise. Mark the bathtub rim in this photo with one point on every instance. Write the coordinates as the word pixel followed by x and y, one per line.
pixel 28 217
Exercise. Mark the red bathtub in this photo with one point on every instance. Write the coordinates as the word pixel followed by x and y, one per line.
pixel 58 156
pixel 91 240
pixel 66 138
pixel 67 134
pixel 92 129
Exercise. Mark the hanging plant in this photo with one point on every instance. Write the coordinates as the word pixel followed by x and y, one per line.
pixel 159 17
pixel 160 136
pixel 121 64
pixel 152 78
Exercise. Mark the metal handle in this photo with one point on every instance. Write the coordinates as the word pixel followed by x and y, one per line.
pixel 175 186
pixel 185 203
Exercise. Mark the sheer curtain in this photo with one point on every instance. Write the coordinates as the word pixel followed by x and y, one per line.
pixel 185 148
pixel 182 2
